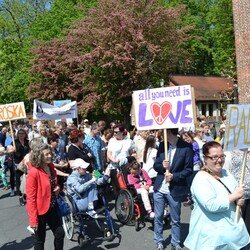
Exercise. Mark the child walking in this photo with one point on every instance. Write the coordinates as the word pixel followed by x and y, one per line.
pixel 143 185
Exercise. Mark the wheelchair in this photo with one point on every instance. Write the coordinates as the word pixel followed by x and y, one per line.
pixel 75 222
pixel 129 207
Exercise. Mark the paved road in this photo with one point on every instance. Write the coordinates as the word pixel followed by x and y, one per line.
pixel 15 236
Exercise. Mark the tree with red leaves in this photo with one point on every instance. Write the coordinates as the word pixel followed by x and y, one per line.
pixel 121 46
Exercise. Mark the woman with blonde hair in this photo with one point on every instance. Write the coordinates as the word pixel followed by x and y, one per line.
pixel 43 134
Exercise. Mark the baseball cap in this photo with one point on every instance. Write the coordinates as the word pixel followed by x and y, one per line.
pixel 86 120
pixel 80 163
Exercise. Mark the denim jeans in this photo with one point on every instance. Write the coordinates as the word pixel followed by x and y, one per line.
pixel 160 200
pixel 87 197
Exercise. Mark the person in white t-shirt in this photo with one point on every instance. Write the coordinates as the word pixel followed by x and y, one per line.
pixel 119 148
pixel 149 156
pixel 34 133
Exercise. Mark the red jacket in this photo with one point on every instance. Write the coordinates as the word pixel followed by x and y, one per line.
pixel 38 192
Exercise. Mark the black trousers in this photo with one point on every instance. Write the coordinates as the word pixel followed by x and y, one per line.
pixel 19 173
pixel 12 177
pixel 55 223
pixel 114 182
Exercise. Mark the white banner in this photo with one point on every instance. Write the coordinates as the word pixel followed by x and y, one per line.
pixel 237 135
pixel 44 111
pixel 161 108
pixel 60 104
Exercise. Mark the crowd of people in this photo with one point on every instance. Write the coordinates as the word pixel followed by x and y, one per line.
pixel 196 172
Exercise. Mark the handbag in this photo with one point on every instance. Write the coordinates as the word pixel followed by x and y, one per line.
pixel 23 184
pixel 63 208
pixel 22 167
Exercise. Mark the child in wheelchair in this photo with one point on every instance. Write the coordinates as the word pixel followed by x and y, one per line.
pixel 82 186
pixel 143 185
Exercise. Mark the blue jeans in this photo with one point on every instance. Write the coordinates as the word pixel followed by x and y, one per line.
pixel 88 196
pixel 160 200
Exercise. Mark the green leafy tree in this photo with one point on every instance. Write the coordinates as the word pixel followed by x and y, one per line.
pixel 213 44
pixel 23 25
pixel 119 47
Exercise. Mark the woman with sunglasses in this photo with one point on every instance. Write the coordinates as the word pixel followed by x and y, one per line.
pixel 216 193
pixel 119 148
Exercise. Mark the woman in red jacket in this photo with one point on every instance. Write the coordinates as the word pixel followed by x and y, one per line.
pixel 41 191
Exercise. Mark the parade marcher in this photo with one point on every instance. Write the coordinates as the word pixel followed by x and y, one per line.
pixel 119 148
pixel 87 126
pixel 189 138
pixel 42 190
pixel 43 134
pixel 206 137
pixel 62 142
pixel 82 186
pixel 78 149
pixel 94 143
pixel 34 133
pixel 234 166
pixel 171 187
pixel 22 148
pixel 149 156
pixel 107 135
pixel 59 163
pixel 3 133
pixel 143 185
pixel 10 165
pixel 216 193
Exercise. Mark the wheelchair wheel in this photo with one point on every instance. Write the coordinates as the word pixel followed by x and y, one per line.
pixel 82 240
pixel 68 221
pixel 101 223
pixel 124 206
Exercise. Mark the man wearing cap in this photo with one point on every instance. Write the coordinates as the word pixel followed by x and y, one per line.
pixel 81 185
pixel 87 127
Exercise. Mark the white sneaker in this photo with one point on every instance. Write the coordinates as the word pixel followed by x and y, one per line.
pixel 151 215
pixel 165 213
pixel 92 213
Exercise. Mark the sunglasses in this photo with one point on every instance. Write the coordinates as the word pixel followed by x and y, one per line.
pixel 116 132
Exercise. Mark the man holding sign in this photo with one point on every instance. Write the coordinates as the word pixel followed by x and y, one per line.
pixel 171 185
pixel 168 108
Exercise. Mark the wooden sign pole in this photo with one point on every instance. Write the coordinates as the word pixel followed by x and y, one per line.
pixel 12 134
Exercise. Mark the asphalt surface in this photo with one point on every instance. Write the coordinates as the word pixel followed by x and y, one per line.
pixel 15 236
